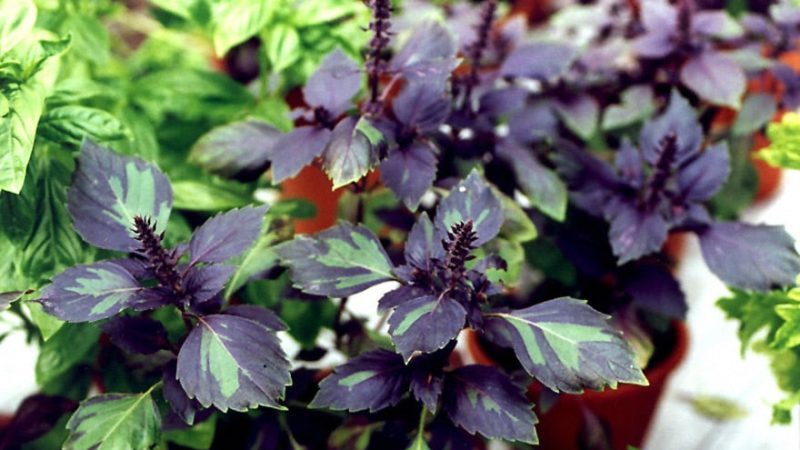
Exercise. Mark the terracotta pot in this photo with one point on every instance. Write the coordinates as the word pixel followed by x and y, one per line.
pixel 626 411
pixel 536 10
pixel 769 177
pixel 675 246
pixel 5 421
pixel 312 185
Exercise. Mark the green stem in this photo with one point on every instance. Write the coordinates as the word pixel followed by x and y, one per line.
pixel 419 441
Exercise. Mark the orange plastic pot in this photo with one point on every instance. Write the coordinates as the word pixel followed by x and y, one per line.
pixel 626 411
pixel 312 185
pixel 675 246
pixel 769 177
pixel 535 10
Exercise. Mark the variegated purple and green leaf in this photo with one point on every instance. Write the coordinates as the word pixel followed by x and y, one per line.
pixel 95 292
pixel 567 345
pixel 372 381
pixel 234 361
pixel 426 324
pixel 338 262
pixel 243 147
pixel 115 422
pixel 353 150
pixel 540 184
pixel 482 399
pixel 754 257
pixel 108 190
pixel 226 235
pixel 471 200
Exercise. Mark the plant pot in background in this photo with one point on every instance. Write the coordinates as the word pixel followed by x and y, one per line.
pixel 536 10
pixel 626 411
pixel 312 185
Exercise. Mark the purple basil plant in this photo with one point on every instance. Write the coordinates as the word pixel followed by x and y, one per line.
pixel 475 129
pixel 227 357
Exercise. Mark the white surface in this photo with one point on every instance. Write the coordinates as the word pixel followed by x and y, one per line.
pixel 17 364
pixel 713 365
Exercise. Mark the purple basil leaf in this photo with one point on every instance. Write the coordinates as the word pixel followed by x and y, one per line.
pixel 296 150
pixel 204 282
pixel 137 334
pixel 233 362
pixel 176 397
pixel 397 297
pixel 635 232
pixel 715 78
pixel 334 84
pixel 409 172
pixel 637 103
pixel 263 316
pixel 543 187
pixel 654 44
pixel 7 298
pixel 580 114
pixel 338 262
pixel 422 245
pixel 37 415
pixel 373 381
pixel 226 235
pixel 139 268
pixel 237 148
pixel 680 119
pixel 499 102
pixel 108 190
pixel 536 122
pixel 754 257
pixel 568 346
pixel 757 111
pixel 94 292
pixel 353 150
pixel 471 200
pixel 421 106
pixel 484 400
pixel 429 54
pixel 704 176
pixel 630 164
pixel 540 61
pixel 660 20
pixel 717 24
pixel 427 389
pixel 426 324
pixel 653 287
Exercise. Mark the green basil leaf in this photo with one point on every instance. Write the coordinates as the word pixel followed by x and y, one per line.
pixel 17 18
pixel 282 44
pixel 236 22
pixel 72 124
